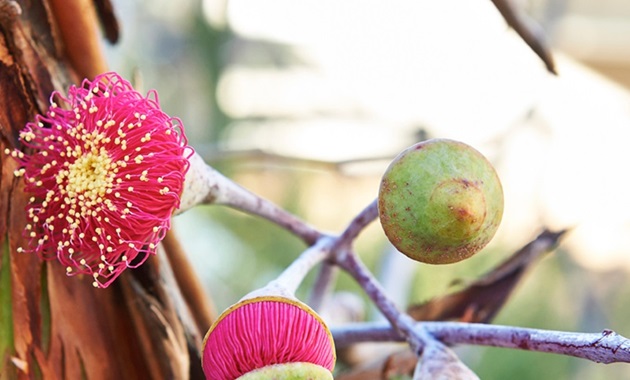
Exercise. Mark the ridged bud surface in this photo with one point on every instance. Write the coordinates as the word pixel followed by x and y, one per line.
pixel 264 331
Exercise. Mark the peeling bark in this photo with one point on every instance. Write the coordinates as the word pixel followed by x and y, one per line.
pixel 53 326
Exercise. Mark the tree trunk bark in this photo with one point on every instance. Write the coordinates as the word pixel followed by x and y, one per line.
pixel 144 326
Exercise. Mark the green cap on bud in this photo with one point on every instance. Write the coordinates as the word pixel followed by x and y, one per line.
pixel 440 201
pixel 289 371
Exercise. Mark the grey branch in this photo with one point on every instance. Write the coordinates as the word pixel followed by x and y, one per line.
pixel 605 347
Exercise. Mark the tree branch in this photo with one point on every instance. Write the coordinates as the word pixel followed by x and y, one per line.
pixel 605 347
pixel 205 185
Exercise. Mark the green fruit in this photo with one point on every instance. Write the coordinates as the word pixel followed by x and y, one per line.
pixel 440 201
pixel 289 371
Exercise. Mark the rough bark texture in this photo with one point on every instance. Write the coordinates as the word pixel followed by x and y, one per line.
pixel 58 327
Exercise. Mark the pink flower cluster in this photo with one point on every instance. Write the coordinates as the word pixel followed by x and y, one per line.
pixel 105 168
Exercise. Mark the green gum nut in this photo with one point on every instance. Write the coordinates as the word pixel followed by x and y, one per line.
pixel 440 201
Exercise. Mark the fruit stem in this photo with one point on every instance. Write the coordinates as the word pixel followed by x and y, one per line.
pixel 354 228
pixel 327 273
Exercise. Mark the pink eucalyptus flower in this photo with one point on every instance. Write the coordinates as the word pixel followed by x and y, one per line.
pixel 105 167
pixel 266 331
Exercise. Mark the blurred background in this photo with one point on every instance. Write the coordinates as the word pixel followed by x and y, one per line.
pixel 305 103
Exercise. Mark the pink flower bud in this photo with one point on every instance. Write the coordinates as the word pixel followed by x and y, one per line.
pixel 265 331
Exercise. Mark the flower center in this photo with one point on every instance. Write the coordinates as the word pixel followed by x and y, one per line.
pixel 90 175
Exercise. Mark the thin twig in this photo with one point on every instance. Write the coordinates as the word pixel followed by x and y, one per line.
pixel 528 30
pixel 261 157
pixel 323 284
pixel 340 245
pixel 351 264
